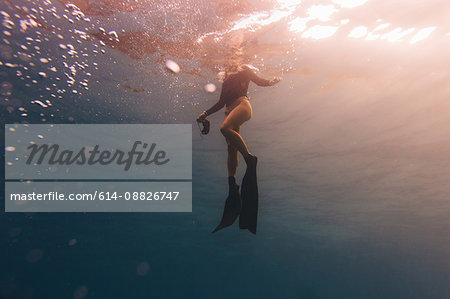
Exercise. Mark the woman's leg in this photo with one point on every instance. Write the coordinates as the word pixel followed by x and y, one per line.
pixel 233 159
pixel 235 119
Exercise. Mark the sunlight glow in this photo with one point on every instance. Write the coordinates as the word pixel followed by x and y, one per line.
pixel 318 32
pixel 298 24
pixel 397 34
pixel 381 27
pixel 349 3
pixel 321 12
pixel 372 36
pixel 286 9
pixel 286 4
pixel 422 34
pixel 251 21
pixel 257 20
pixel 316 12
pixel 358 32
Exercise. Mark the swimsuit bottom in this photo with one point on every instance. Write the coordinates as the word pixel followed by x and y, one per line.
pixel 236 103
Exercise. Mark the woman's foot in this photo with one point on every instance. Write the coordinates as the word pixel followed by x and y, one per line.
pixel 231 181
pixel 232 186
pixel 251 160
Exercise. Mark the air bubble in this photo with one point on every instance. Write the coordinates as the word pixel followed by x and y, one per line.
pixel 210 88
pixel 39 103
pixel 142 268
pixel 173 66
pixel 80 292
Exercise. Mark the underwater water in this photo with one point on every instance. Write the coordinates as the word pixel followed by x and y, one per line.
pixel 353 146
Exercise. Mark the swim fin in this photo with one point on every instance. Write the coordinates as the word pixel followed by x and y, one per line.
pixel 249 195
pixel 232 208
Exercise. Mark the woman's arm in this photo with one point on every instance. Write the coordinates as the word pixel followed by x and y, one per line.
pixel 260 81
pixel 219 105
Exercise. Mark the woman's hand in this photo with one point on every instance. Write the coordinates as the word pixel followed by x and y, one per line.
pixel 275 81
pixel 202 116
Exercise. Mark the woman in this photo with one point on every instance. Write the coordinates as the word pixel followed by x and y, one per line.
pixel 238 110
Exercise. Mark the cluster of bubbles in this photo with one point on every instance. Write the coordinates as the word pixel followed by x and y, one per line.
pixel 27 38
pixel 50 59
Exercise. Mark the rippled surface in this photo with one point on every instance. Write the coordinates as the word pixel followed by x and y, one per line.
pixel 353 146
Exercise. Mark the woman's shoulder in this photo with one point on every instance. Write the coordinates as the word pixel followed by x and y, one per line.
pixel 242 70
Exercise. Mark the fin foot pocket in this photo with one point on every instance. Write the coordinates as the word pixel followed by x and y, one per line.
pixel 232 208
